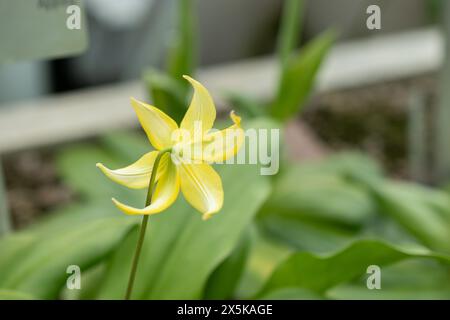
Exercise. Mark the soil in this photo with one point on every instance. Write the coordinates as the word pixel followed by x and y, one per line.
pixel 32 185
pixel 371 119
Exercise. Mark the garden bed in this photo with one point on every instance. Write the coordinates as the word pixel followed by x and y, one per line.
pixel 372 119
pixel 33 186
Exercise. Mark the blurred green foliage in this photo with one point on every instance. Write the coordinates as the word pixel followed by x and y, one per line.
pixel 434 10
pixel 318 274
pixel 297 69
pixel 297 77
pixel 308 233
pixel 272 239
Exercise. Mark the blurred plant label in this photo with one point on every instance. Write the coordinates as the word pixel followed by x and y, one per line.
pixel 374 280
pixel 41 29
pixel 74 280
pixel 374 20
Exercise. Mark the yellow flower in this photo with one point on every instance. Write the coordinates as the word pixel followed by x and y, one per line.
pixel 184 154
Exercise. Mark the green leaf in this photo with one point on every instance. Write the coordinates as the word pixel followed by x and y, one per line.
pixel 306 235
pixel 13 248
pixel 297 214
pixel 14 295
pixel 169 91
pixel 71 216
pixel 292 294
pixel 182 56
pixel 409 279
pixel 181 251
pixel 35 260
pixel 90 282
pixel 76 166
pixel 320 273
pixel 126 145
pixel 362 293
pixel 118 266
pixel 300 195
pixel 290 29
pixel 353 166
pixel 168 94
pixel 298 77
pixel 223 281
pixel 264 256
pixel 419 210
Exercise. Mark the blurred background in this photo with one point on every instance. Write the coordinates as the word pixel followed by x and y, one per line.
pixel 356 105
pixel 365 85
pixel 128 36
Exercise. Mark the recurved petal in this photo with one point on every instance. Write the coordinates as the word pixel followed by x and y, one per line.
pixel 157 125
pixel 221 145
pixel 202 187
pixel 165 194
pixel 200 116
pixel 136 175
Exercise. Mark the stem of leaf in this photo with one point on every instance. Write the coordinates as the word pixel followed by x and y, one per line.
pixel 144 223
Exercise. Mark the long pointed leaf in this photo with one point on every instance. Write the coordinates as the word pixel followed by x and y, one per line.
pixel 320 273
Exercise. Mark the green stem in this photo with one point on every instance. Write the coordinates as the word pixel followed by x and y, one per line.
pixel 144 223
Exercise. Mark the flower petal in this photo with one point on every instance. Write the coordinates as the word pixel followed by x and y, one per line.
pixel 157 125
pixel 221 145
pixel 165 194
pixel 202 187
pixel 201 111
pixel 136 175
